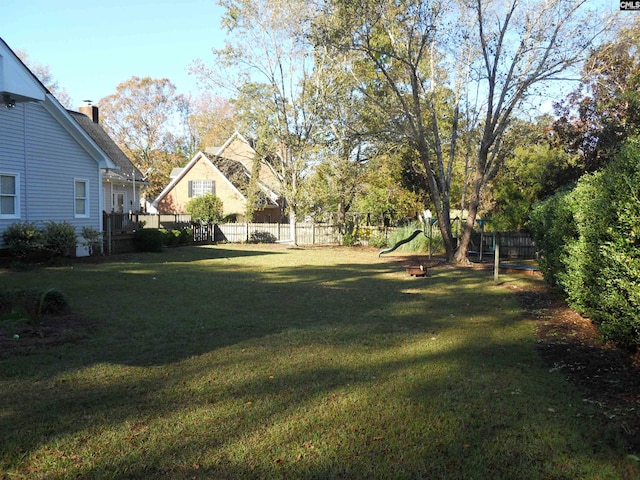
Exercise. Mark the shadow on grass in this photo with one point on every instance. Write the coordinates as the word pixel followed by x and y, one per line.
pixel 177 327
pixel 442 424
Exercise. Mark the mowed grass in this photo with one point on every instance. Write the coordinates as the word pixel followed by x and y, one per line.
pixel 239 361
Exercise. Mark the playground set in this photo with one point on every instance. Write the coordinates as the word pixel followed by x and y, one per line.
pixel 476 256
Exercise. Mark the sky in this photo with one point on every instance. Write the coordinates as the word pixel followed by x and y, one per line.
pixel 91 46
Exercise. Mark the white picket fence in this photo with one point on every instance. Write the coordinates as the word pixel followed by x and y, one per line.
pixel 307 234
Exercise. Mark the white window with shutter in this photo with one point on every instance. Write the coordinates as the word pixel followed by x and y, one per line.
pixel 197 188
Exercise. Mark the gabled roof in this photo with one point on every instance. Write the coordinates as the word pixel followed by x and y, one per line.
pixel 234 173
pixel 198 156
pixel 229 141
pixel 19 84
pixel 127 170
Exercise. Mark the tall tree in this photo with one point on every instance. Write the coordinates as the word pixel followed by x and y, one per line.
pixel 535 169
pixel 46 77
pixel 139 116
pixel 212 119
pixel 266 52
pixel 432 59
pixel 343 146
pixel 598 117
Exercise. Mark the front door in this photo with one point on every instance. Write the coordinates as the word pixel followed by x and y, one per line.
pixel 118 202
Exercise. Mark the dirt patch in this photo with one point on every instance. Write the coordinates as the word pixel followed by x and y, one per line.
pixel 607 376
pixel 22 339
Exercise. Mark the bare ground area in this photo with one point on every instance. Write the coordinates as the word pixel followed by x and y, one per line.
pixel 53 330
pixel 606 375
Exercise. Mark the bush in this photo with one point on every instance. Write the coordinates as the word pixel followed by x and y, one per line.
pixel 28 306
pixel 60 238
pixel 262 237
pixel 378 240
pixel 173 238
pixel 589 240
pixel 24 240
pixel 169 237
pixel 205 209
pixel 148 240
pixel 186 236
pixel 92 240
pixel 553 228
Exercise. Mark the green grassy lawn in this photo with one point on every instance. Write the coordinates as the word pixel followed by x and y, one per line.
pixel 239 361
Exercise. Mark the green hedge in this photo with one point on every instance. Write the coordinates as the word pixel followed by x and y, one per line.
pixel 589 240
pixel 153 239
pixel 28 242
pixel 148 240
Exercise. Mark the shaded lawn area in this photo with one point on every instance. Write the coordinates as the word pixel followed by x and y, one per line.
pixel 240 361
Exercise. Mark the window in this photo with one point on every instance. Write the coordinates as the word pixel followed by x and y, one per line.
pixel 197 188
pixel 9 185
pixel 81 198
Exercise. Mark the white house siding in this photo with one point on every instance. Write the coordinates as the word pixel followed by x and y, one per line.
pixel 48 159
pixel 111 189
pixel 12 153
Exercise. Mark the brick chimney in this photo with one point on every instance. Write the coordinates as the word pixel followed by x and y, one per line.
pixel 90 111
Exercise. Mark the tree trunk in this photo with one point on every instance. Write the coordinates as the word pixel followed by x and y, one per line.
pixel 292 227
pixel 441 203
pixel 474 204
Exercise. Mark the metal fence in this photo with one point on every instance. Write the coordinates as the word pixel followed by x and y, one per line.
pixel 512 244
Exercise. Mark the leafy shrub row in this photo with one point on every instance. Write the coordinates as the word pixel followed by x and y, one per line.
pixel 589 241
pixel 28 242
pixel 153 239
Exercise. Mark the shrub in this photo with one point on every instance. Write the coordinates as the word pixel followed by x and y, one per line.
pixel 23 240
pixel 553 228
pixel 378 240
pixel 92 240
pixel 28 306
pixel 186 236
pixel 60 238
pixel 590 245
pixel 169 237
pixel 262 237
pixel 148 240
pixel 205 209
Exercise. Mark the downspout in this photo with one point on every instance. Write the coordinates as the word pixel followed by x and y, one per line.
pixel 26 158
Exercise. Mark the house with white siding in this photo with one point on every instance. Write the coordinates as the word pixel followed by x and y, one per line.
pixel 50 168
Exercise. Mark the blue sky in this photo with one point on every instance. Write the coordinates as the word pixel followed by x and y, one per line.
pixel 93 45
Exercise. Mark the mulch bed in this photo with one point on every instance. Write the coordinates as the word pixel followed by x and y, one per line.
pixel 606 376
pixel 54 330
